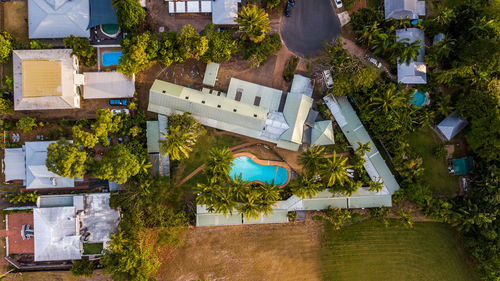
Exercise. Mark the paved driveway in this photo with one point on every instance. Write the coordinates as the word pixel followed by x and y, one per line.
pixel 312 22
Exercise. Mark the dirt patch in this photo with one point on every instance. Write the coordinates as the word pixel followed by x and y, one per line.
pixel 55 276
pixel 160 17
pixel 15 19
pixel 261 151
pixel 250 252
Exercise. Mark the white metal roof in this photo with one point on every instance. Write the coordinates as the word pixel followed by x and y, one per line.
pixel 302 85
pixel 193 6
pixel 180 7
pixel 108 85
pixel 99 218
pixel 15 164
pixel 206 6
pixel 211 72
pixel 58 18
pixel 270 98
pixel 56 236
pixel 224 11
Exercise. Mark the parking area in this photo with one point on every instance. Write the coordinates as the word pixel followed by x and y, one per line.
pixel 311 23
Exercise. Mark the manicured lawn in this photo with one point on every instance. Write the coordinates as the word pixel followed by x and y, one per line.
pixel 369 251
pixel 436 170
pixel 92 248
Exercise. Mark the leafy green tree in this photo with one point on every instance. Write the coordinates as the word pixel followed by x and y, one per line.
pixel 365 17
pixel 127 258
pixel 83 138
pixel 181 137
pixel 83 268
pixel 191 44
pixel 335 171
pixel 139 52
pixel 168 51
pixel 253 22
pixel 257 53
pixel 130 15
pixel 312 160
pixel 6 106
pixel 66 159
pixel 221 45
pixel 305 187
pixel 26 124
pixel 218 164
pixel 6 46
pixel 118 164
pixel 106 124
pixel 336 217
pixel 82 49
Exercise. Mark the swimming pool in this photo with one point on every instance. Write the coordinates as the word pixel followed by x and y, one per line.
pixel 110 30
pixel 248 170
pixel 419 99
pixel 111 58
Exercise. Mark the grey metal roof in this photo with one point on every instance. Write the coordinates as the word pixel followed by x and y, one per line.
pixel 415 72
pixel 302 85
pixel 211 74
pixel 58 18
pixel 37 174
pixel 224 11
pixel 400 9
pixel 14 164
pixel 153 136
pixel 99 219
pixel 102 12
pixel 452 125
pixel 322 133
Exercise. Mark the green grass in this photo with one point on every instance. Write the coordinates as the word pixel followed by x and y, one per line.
pixel 92 248
pixel 436 170
pixel 369 251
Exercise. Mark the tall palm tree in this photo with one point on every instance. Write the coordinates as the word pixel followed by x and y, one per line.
pixel 240 187
pixel 387 100
pixel 446 47
pixel 312 159
pixel 218 164
pixel 376 186
pixel 409 51
pixel 217 198
pixel 350 187
pixel 249 206
pixel 253 23
pixel 369 33
pixel 178 144
pixel 445 17
pixel 363 148
pixel 305 186
pixel 336 170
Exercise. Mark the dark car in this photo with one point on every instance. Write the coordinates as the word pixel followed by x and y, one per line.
pixel 289 6
pixel 118 102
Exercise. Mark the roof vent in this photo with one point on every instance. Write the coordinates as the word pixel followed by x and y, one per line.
pixel 53 180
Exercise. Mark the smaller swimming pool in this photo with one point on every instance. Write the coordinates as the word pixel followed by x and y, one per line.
pixel 111 58
pixel 110 30
pixel 248 170
pixel 419 99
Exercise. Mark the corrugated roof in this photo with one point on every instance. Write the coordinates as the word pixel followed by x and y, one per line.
pixel 268 98
pixel 153 136
pixel 452 125
pixel 211 74
pixel 296 109
pixel 65 200
pixel 41 78
pixel 415 72
pixel 15 164
pixel 400 9
pixel 108 85
pixel 224 11
pixel 164 160
pixel 58 18
pixel 276 216
pixel 302 85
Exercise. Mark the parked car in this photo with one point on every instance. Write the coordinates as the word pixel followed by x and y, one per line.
pixel 289 6
pixel 120 111
pixel 338 3
pixel 118 102
pixel 375 62
pixel 327 76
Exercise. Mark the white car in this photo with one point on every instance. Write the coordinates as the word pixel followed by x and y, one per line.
pixel 120 111
pixel 338 3
pixel 375 62
pixel 327 76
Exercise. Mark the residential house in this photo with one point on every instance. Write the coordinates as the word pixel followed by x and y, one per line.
pixel 415 72
pixel 451 126
pixel 46 79
pixel 402 9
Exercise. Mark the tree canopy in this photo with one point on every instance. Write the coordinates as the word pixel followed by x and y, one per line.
pixel 118 164
pixel 6 46
pixel 130 14
pixel 66 159
pixel 253 23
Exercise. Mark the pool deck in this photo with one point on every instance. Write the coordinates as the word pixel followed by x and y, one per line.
pixel 267 163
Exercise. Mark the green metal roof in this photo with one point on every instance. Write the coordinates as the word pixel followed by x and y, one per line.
pixel 374 201
pixel 153 135
pixel 211 74
pixel 277 216
pixel 322 133
pixel 296 109
pixel 209 219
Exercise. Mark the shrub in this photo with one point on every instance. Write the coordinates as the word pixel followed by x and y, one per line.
pixel 6 46
pixel 257 53
pixel 6 106
pixel 83 268
pixel 82 49
pixel 290 68
pixel 292 216
pixel 130 14
pixel 271 4
pixel 26 124
pixel 37 45
pixel 22 197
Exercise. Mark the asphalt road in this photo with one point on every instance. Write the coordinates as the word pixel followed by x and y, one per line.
pixel 310 25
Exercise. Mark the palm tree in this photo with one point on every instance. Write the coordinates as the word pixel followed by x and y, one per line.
pixel 409 51
pixel 445 17
pixel 444 105
pixel 217 198
pixel 218 164
pixel 363 148
pixel 249 206
pixel 240 187
pixel 144 166
pixel 446 47
pixel 253 23
pixel 336 170
pixel 178 144
pixel 350 187
pixel 389 99
pixel 305 187
pixel 312 160
pixel 376 186
pixel 369 33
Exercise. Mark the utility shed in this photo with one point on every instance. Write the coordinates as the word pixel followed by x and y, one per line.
pixel 451 126
pixel 108 85
pixel 211 74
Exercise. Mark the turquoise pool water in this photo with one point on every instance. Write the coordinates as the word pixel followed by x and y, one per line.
pixel 111 58
pixel 419 99
pixel 248 170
